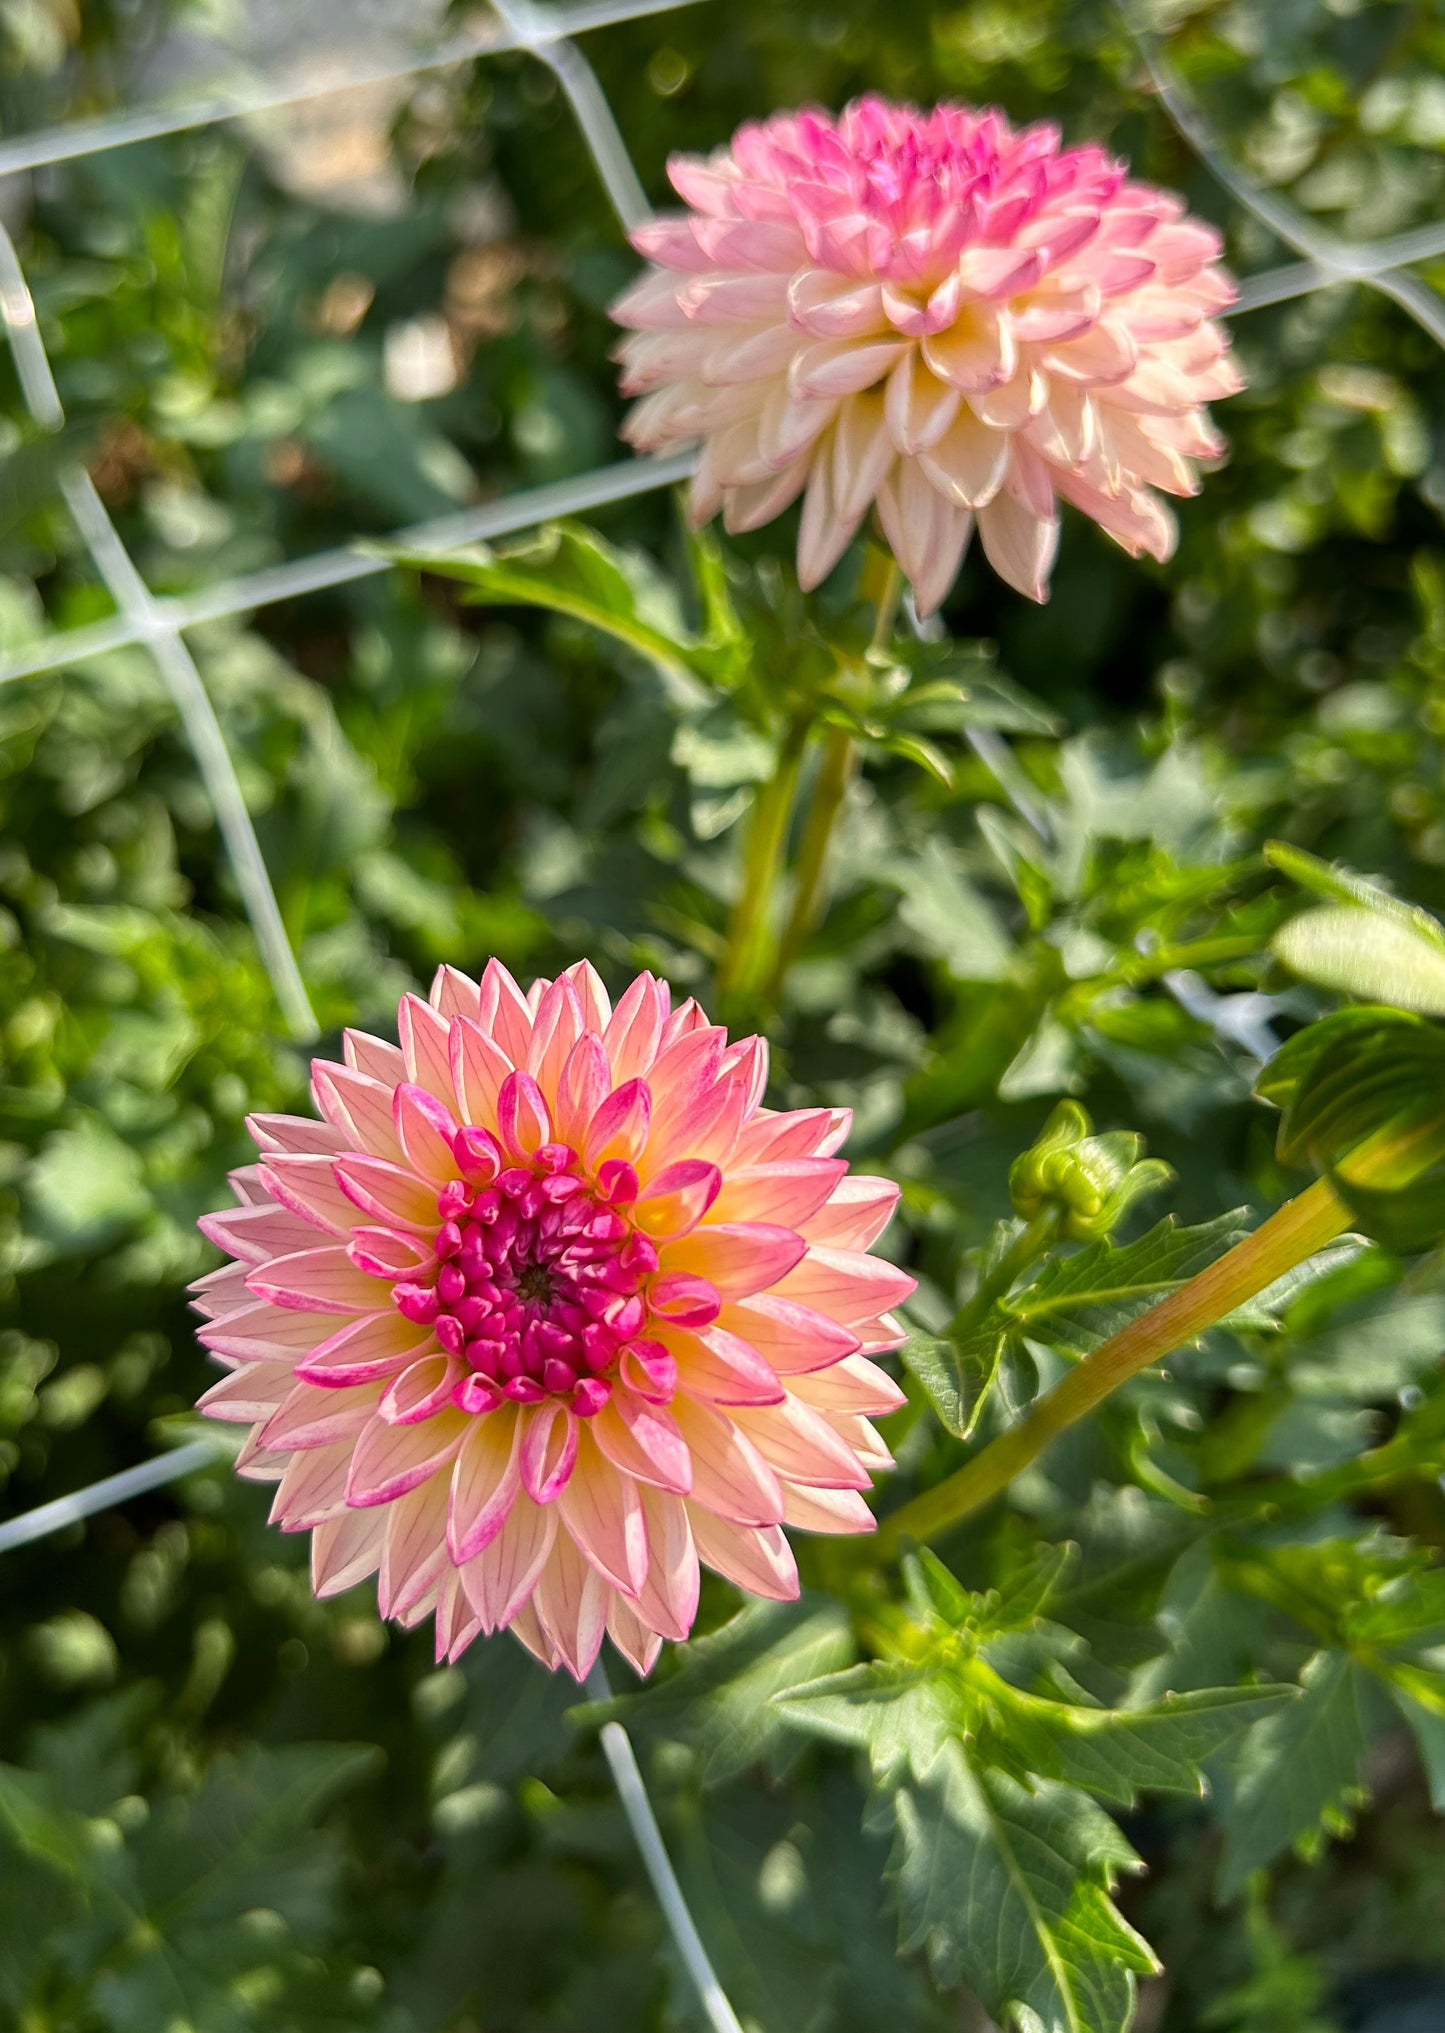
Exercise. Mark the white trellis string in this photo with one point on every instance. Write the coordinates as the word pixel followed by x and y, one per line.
pixel 94 137
pixel 107 1493
pixel 1329 260
pixel 627 1778
pixel 532 28
pixel 176 664
pixel 229 599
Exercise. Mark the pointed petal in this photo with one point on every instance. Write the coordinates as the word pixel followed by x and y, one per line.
pixel 759 1560
pixel 602 1510
pixel 484 1483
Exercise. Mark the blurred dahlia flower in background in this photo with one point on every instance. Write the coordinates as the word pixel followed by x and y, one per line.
pixel 549 1308
pixel 936 314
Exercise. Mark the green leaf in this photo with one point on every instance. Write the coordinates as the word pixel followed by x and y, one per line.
pixel 1362 954
pixel 1347 1076
pixel 569 570
pixel 243 1840
pixel 959 687
pixel 160 1901
pixel 1026 1590
pixel 1006 1887
pixel 1118 1753
pixel 1004 1882
pixel 721 1700
pixel 31 472
pixel 1427 1722
pixel 1078 1301
pixel 951 919
pixel 1353 1074
pixel 1342 886
pixel 1299 1770
pixel 1372 1349
pixel 916 748
pixel 45 1833
pixel 958 1375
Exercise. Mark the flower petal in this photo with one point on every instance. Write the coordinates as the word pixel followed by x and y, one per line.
pixel 737 1258
pixel 390 1460
pixel 602 1509
pixel 484 1483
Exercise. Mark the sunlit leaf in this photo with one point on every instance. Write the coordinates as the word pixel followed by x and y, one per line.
pixel 1365 955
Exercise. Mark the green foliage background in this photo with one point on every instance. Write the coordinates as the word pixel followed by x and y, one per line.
pixel 224 1806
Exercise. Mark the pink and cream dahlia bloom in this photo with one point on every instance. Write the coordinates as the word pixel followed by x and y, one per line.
pixel 547 1309
pixel 936 315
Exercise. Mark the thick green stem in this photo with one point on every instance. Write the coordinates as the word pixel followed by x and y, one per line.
pixel 744 960
pixel 1390 1158
pixel 1299 1228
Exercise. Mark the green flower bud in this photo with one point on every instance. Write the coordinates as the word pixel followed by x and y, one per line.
pixel 1093 1180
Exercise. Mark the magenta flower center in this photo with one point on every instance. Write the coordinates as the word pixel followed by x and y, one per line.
pixel 538 1280
pixel 929 184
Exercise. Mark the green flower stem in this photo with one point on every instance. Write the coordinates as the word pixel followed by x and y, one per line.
pixel 836 772
pixel 744 960
pixel 1303 1225
pixel 838 768
pixel 1300 1227
pixel 1032 1240
pixel 1215 951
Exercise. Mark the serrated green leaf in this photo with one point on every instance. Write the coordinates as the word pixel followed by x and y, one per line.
pixel 1078 1301
pixel 934 1593
pixel 159 1905
pixel 1002 1880
pixel 1263 1314
pixel 239 1842
pixel 723 1700
pixel 1299 1770
pixel 1360 954
pixel 1006 1887
pixel 957 1374
pixel 1022 1595
pixel 951 919
pixel 902 1716
pixel 1118 1753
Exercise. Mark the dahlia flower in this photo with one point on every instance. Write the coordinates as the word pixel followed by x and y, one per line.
pixel 546 1310
pixel 936 315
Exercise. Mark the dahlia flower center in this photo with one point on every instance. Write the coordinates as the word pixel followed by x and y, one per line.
pixel 897 177
pixel 537 1282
